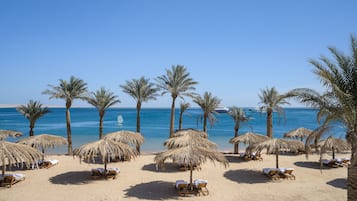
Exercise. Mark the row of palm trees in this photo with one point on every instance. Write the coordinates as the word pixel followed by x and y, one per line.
pixel 338 102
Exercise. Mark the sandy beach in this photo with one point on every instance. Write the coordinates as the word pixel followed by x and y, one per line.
pixel 139 180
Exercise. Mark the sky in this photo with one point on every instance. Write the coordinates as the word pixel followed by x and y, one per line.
pixel 233 49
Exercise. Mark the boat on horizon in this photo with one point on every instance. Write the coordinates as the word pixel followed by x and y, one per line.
pixel 221 109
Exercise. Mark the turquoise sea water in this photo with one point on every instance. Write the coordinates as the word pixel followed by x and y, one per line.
pixel 155 124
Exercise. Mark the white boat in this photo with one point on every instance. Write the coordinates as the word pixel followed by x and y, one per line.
pixel 221 109
pixel 120 119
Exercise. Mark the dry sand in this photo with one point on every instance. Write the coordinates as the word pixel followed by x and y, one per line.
pixel 139 180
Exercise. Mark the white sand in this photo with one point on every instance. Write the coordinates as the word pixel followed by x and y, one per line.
pixel 138 180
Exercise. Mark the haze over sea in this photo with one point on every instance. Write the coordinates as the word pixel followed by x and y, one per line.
pixel 155 124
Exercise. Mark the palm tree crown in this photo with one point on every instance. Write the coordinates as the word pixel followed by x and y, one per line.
pixel 178 83
pixel 69 91
pixel 102 99
pixel 339 102
pixel 32 111
pixel 208 104
pixel 271 101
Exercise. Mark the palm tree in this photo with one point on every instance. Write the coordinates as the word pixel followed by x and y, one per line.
pixel 179 84
pixel 32 111
pixel 271 101
pixel 183 108
pixel 102 99
pixel 75 88
pixel 339 102
pixel 208 104
pixel 238 116
pixel 142 91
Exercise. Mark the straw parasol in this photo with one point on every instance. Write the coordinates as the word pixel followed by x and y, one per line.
pixel 127 137
pixel 191 149
pixel 249 138
pixel 334 144
pixel 14 153
pixel 274 145
pixel 298 133
pixel 44 141
pixel 9 133
pixel 186 137
pixel 106 149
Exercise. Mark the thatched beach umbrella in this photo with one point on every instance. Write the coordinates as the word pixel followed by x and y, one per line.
pixel 334 144
pixel 9 133
pixel 186 137
pixel 298 133
pixel 127 137
pixel 44 141
pixel 275 145
pixel 249 138
pixel 191 149
pixel 14 153
pixel 104 148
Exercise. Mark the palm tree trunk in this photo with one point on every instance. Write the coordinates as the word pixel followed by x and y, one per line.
pixel 352 171
pixel 204 122
pixel 69 132
pixel 236 145
pixel 180 121
pixel 31 131
pixel 269 123
pixel 138 108
pixel 100 126
pixel 172 117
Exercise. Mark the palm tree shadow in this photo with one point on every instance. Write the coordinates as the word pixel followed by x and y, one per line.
pixel 246 176
pixel 310 164
pixel 168 168
pixel 74 177
pixel 155 190
pixel 338 183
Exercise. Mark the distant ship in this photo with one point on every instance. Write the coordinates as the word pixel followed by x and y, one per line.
pixel 120 119
pixel 221 109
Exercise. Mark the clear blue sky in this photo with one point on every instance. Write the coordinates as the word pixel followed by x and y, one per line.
pixel 232 48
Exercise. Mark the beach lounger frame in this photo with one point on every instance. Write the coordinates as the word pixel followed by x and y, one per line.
pixel 10 180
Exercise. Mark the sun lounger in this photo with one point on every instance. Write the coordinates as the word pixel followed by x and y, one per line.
pixel 9 179
pixel 48 163
pixel 343 161
pixel 97 173
pixel 286 173
pixel 201 186
pixel 112 173
pixel 331 163
pixel 182 187
pixel 273 173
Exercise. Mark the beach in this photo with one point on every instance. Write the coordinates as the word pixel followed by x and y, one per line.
pixel 139 180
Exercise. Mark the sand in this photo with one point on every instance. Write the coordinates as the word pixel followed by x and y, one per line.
pixel 139 180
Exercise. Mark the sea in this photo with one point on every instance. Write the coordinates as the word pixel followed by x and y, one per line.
pixel 155 124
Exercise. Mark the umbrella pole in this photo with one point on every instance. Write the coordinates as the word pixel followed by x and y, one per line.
pixel 3 166
pixel 277 158
pixel 333 152
pixel 191 187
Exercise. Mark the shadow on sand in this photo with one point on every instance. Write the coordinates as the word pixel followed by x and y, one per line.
pixel 235 159
pixel 76 178
pixel 246 176
pixel 168 168
pixel 311 164
pixel 338 183
pixel 155 190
